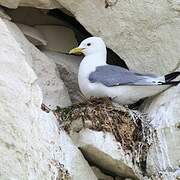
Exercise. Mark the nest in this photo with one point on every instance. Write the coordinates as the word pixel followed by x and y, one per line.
pixel 129 127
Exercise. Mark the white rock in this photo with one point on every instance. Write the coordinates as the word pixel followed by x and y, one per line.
pixel 73 160
pixel 44 4
pixel 33 35
pixel 32 146
pixel 54 91
pixel 100 175
pixel 175 4
pixel 32 16
pixel 20 154
pixel 104 151
pixel 164 112
pixel 68 68
pixel 144 33
pixel 59 38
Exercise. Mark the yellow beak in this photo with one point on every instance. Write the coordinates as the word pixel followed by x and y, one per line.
pixel 77 51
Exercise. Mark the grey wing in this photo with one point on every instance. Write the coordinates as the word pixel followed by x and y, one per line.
pixel 111 75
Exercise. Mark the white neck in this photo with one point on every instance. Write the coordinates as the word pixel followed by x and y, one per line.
pixel 88 65
pixel 91 61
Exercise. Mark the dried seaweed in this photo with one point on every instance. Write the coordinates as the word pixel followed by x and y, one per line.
pixel 128 126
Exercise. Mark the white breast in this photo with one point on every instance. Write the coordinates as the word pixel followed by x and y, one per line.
pixel 88 65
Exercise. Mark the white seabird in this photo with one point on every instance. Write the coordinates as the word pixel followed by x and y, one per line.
pixel 98 79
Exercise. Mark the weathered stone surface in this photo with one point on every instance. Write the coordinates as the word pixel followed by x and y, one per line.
pixel 54 91
pixel 104 151
pixel 33 35
pixel 21 150
pixel 68 68
pixel 33 16
pixel 44 4
pixel 74 160
pixel 32 145
pixel 59 38
pixel 144 33
pixel 163 156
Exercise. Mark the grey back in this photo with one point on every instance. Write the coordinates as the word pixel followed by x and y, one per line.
pixel 111 75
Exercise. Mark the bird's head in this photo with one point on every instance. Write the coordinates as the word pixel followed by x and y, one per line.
pixel 90 46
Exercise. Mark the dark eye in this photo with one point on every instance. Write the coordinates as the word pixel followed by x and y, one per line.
pixel 88 44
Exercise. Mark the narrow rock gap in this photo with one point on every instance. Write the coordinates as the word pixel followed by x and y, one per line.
pixel 81 33
pixel 60 17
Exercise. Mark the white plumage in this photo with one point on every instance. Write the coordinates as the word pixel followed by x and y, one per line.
pixel 97 78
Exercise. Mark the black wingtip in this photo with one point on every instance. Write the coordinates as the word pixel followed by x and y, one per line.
pixel 171 83
pixel 171 76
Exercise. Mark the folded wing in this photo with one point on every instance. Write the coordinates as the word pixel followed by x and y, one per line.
pixel 111 75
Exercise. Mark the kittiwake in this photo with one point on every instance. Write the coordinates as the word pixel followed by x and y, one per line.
pixel 98 79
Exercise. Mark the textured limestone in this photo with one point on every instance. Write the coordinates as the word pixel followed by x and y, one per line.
pixel 59 38
pixel 54 91
pixel 163 157
pixel 20 102
pixel 33 35
pixel 74 160
pixel 68 68
pixel 44 4
pixel 104 151
pixel 33 16
pixel 32 145
pixel 144 33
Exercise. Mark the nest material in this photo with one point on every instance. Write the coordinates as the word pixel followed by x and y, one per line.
pixel 128 126
pixel 63 173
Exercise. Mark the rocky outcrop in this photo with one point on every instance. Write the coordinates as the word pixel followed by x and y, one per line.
pixel 54 91
pixel 163 157
pixel 145 34
pixel 32 145
pixel 59 38
pixel 104 151
pixel 68 69
pixel 33 35
pixel 44 4
pixel 110 136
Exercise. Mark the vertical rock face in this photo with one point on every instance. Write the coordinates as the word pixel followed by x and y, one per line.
pixel 49 4
pixel 20 99
pixel 163 157
pixel 54 91
pixel 144 33
pixel 68 69
pixel 32 145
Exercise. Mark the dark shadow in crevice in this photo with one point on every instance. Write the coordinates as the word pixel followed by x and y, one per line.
pixel 81 33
